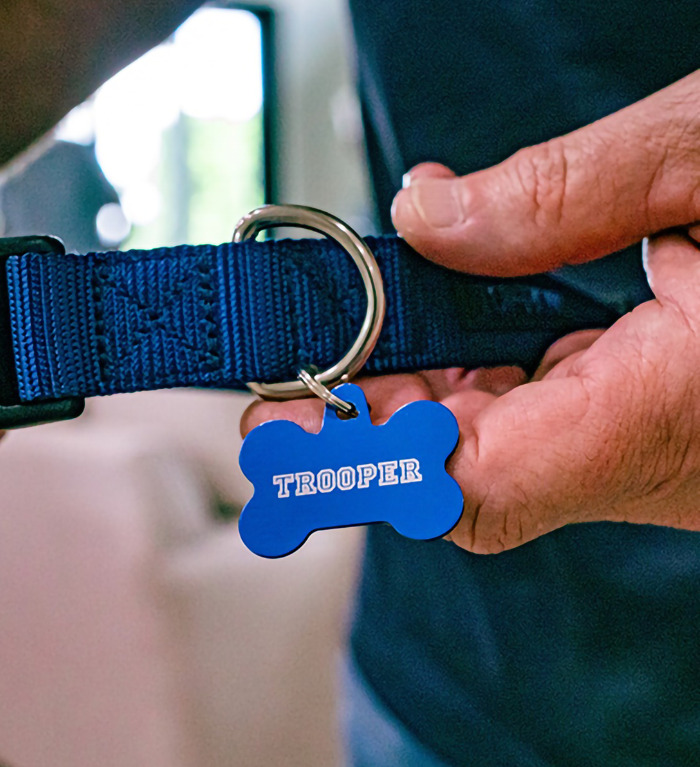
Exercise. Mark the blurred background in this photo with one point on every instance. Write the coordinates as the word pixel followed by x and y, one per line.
pixel 137 630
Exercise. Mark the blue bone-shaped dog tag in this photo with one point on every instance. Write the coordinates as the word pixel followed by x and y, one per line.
pixel 350 473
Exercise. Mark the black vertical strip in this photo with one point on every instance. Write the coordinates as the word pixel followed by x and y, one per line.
pixel 269 79
pixel 266 17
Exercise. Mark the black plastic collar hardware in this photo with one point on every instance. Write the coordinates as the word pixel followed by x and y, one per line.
pixel 13 412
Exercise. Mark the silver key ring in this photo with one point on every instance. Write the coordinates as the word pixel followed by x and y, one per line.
pixel 352 361
pixel 307 377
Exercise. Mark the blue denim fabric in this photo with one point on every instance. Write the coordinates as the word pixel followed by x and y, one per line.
pixel 373 736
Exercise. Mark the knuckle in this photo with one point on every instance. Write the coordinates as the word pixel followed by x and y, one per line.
pixel 542 174
pixel 672 186
pixel 499 521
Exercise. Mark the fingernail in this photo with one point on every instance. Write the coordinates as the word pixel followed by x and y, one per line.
pixel 403 213
pixel 646 247
pixel 438 203
pixel 406 180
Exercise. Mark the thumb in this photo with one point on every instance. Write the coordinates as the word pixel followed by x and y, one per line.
pixel 672 265
pixel 572 199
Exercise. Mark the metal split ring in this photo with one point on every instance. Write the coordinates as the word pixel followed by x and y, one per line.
pixel 320 383
pixel 307 377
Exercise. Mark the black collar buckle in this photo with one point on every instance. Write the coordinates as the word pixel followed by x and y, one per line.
pixel 13 412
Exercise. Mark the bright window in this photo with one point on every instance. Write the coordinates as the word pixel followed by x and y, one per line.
pixel 180 133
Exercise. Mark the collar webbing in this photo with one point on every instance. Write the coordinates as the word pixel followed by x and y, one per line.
pixel 219 316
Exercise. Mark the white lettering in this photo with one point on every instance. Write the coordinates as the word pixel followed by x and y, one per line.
pixel 282 481
pixel 366 473
pixel 387 473
pixel 349 477
pixel 346 478
pixel 325 480
pixel 410 470
pixel 305 483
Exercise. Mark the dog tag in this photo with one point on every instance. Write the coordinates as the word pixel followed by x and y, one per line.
pixel 350 473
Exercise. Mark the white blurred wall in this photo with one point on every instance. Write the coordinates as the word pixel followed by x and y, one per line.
pixel 320 154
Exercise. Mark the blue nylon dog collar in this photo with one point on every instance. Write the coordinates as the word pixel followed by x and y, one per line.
pixel 220 316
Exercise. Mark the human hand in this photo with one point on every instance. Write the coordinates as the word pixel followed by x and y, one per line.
pixel 569 200
pixel 605 430
pixel 608 427
pixel 572 199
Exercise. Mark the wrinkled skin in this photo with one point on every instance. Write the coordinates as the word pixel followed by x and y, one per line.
pixel 608 428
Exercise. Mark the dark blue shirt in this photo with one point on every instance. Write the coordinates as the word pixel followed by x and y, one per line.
pixel 582 647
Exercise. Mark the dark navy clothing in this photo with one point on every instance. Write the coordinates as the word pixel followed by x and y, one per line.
pixel 582 647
